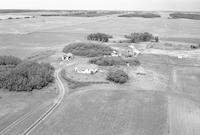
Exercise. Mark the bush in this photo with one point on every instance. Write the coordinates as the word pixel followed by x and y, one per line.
pixel 9 60
pixel 111 61
pixel 195 46
pixel 99 37
pixel 88 49
pixel 117 76
pixel 156 39
pixel 139 37
pixel 27 76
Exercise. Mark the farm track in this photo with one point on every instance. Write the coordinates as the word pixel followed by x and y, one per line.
pixel 20 120
pixel 28 122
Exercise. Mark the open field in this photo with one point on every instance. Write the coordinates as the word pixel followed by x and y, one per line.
pixel 50 31
pixel 109 112
pixel 184 117
pixel 187 80
pixel 16 104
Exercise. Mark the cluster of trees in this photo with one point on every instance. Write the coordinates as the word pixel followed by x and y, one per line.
pixel 117 76
pixel 9 60
pixel 140 37
pixel 88 49
pixel 99 37
pixel 185 16
pixel 26 76
pixel 113 61
pixel 195 46
pixel 144 15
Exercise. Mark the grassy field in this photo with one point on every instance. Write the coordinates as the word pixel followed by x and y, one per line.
pixel 103 112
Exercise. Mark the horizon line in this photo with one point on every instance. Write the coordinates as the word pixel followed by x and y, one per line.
pixel 99 10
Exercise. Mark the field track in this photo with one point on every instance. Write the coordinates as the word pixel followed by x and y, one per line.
pixel 28 122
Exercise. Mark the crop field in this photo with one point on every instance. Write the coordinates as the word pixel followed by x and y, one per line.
pixel 187 80
pixel 184 117
pixel 103 112
pixel 120 26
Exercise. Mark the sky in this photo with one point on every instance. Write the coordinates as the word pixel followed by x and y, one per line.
pixel 148 5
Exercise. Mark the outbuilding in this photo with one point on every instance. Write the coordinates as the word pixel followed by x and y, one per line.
pixel 86 68
pixel 67 56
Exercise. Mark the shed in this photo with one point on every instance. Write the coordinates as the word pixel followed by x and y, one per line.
pixel 135 51
pixel 67 56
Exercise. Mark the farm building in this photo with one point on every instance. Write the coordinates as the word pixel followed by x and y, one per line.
pixel 115 54
pixel 128 52
pixel 86 68
pixel 68 56
pixel 135 51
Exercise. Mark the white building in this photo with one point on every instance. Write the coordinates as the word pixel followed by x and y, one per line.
pixel 86 69
pixel 135 51
pixel 114 54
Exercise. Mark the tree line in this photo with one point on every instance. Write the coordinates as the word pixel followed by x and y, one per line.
pixel 102 37
pixel 88 49
pixel 9 60
pixel 113 61
pixel 26 76
pixel 141 37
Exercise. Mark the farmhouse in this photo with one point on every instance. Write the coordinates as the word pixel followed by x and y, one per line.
pixel 68 56
pixel 86 68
